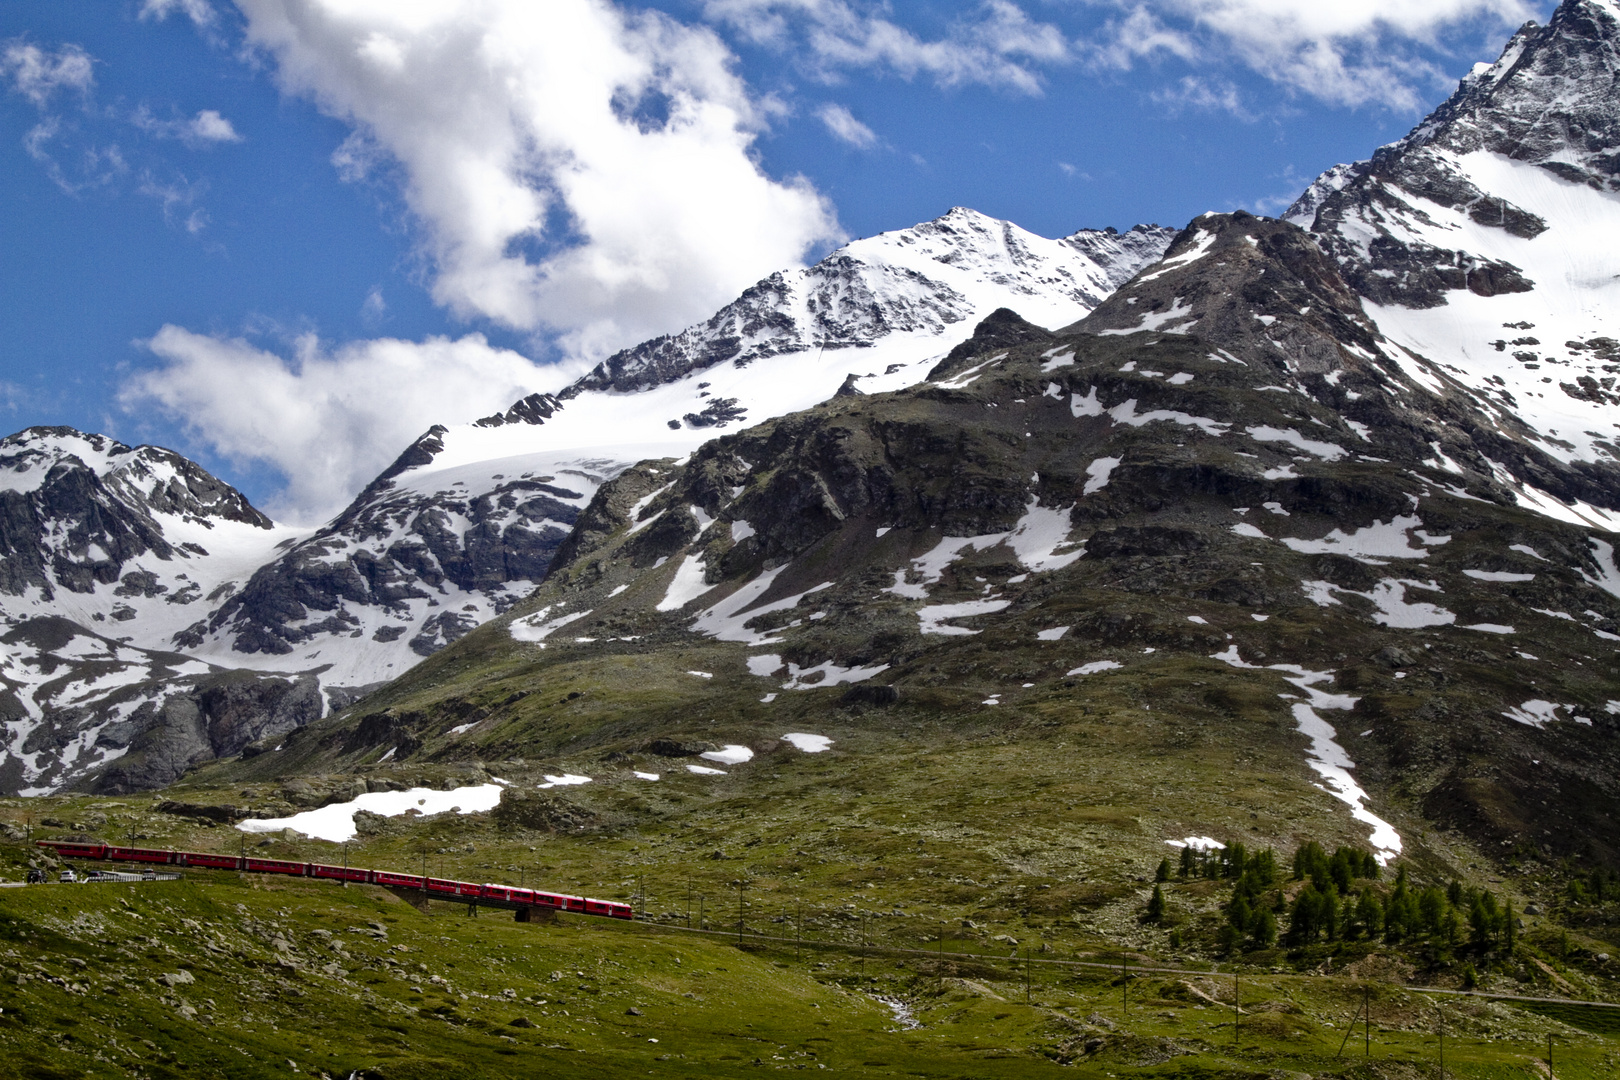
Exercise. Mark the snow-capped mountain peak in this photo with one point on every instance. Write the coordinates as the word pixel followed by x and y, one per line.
pixel 924 286
pixel 1484 242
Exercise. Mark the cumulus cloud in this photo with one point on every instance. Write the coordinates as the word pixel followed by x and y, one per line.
pixel 575 167
pixel 207 127
pixel 329 420
pixel 37 74
pixel 1002 46
pixel 1346 53
pixel 843 126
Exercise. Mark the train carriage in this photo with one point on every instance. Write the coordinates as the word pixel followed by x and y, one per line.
pixel 79 851
pixel 443 888
pixel 276 866
pixel 447 887
pixel 138 854
pixel 396 881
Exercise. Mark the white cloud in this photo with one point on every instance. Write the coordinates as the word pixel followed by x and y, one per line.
pixel 374 308
pixel 1347 52
pixel 178 196
pixel 845 128
pixel 96 165
pixel 37 74
pixel 1139 34
pixel 1202 94
pixel 575 167
pixel 208 126
pixel 327 420
pixel 1002 47
pixel 198 11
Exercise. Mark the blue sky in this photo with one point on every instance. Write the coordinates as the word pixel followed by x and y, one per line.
pixel 284 236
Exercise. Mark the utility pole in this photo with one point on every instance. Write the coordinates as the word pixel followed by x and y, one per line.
pixel 701 924
pixel 1237 1008
pixel 1550 1074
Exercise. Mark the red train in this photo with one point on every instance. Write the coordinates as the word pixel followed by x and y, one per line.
pixel 503 896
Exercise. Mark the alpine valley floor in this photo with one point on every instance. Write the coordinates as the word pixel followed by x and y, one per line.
pixel 247 976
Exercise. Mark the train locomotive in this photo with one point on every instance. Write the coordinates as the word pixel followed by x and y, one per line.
pixel 465 892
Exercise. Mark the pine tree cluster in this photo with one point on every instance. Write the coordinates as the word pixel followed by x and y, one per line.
pixel 1342 900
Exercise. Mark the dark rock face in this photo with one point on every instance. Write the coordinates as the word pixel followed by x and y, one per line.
pixel 1001 329
pixel 216 718
pixel 534 409
pixel 716 414
pixel 95 505
pixel 395 545
pixel 222 814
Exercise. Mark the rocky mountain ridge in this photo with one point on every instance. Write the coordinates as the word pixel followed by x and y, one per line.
pixel 917 281
pixel 1421 315
pixel 461 526
pixel 1223 477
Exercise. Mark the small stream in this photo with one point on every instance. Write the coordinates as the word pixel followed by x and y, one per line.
pixel 902 1011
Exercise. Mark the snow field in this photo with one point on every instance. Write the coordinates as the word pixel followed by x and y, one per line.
pixel 1576 270
pixel 1325 756
pixel 1197 843
pixel 564 780
pixel 687 585
pixel 730 754
pixel 335 822
pixel 534 628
